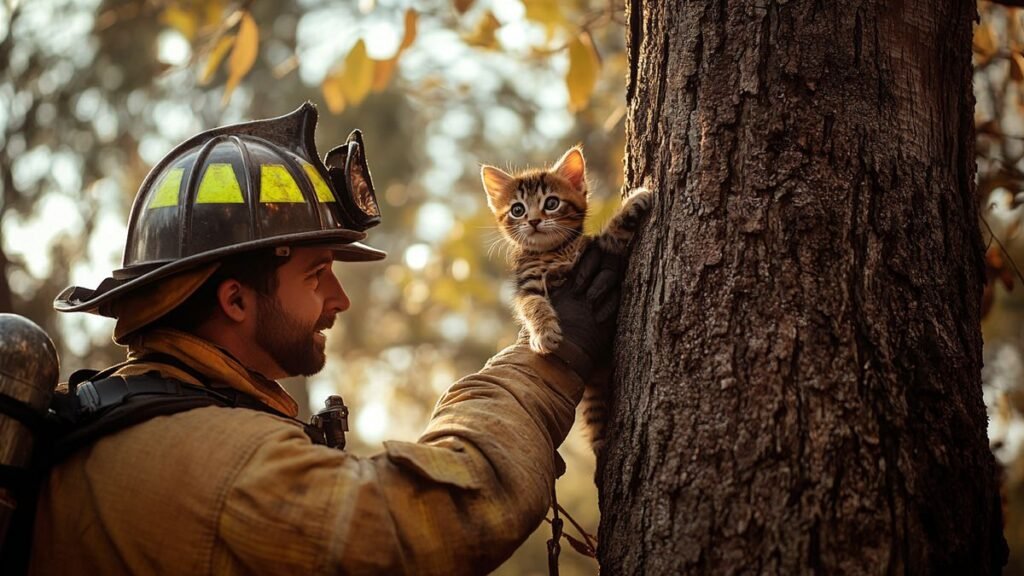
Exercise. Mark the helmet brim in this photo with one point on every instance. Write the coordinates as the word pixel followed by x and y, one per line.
pixel 344 243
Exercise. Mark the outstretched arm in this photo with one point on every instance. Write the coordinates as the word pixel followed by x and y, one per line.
pixel 459 501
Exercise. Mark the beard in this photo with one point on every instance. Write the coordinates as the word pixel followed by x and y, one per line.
pixel 289 342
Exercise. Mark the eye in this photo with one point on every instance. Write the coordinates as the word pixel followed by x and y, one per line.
pixel 317 274
pixel 518 210
pixel 552 203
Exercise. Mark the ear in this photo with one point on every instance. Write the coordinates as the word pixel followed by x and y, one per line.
pixel 496 184
pixel 573 168
pixel 234 300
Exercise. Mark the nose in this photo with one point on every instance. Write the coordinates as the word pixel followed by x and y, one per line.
pixel 534 223
pixel 337 300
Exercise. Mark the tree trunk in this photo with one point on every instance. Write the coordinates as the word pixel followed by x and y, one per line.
pixel 799 355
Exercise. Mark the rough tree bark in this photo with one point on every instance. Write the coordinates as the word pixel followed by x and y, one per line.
pixel 799 356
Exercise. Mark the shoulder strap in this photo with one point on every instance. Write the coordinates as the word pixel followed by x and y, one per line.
pixel 97 405
pixel 98 408
pixel 103 407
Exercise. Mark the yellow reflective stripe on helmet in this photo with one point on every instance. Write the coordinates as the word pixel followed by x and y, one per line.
pixel 277 185
pixel 219 186
pixel 323 192
pixel 167 193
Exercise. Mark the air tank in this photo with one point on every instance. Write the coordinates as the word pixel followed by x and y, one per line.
pixel 29 370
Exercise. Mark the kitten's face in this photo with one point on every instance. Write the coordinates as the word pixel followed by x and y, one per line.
pixel 539 210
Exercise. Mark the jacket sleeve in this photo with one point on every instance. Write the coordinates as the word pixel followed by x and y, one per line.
pixel 458 501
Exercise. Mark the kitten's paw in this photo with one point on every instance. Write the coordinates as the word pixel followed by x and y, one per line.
pixel 639 201
pixel 639 191
pixel 546 340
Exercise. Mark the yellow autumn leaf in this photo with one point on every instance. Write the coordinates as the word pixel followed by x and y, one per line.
pixel 358 74
pixel 333 90
pixel 483 35
pixel 213 60
pixel 243 54
pixel 411 19
pixel 462 6
pixel 584 67
pixel 546 12
pixel 1017 66
pixel 383 70
pixel 985 40
pixel 212 12
pixel 182 20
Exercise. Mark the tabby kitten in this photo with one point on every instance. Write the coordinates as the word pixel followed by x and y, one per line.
pixel 541 213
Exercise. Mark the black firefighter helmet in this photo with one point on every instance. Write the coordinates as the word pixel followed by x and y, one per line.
pixel 238 188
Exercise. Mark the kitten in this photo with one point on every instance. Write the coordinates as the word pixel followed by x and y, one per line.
pixel 541 213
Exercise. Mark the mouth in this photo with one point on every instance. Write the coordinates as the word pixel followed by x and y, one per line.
pixel 539 237
pixel 323 324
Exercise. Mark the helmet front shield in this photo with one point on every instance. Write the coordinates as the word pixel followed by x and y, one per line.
pixel 350 176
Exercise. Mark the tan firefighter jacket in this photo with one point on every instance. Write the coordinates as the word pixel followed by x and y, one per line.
pixel 234 491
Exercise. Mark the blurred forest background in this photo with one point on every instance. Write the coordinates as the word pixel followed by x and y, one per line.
pixel 94 92
pixel 999 120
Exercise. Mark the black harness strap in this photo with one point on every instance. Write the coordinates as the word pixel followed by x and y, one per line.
pixel 96 405
pixel 116 403
pixel 102 407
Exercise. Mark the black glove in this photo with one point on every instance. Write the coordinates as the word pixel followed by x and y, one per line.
pixel 587 306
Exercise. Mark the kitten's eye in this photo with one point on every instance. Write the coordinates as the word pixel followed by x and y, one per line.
pixel 552 203
pixel 518 210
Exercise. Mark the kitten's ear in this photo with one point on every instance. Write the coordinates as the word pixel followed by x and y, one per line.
pixel 496 184
pixel 573 168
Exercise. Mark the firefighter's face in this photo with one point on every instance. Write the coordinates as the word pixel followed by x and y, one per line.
pixel 290 326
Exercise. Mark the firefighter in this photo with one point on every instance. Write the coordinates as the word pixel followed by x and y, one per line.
pixel 226 287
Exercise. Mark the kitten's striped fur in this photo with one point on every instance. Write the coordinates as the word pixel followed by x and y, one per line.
pixel 541 213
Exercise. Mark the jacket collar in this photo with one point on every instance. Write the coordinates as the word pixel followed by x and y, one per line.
pixel 217 364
